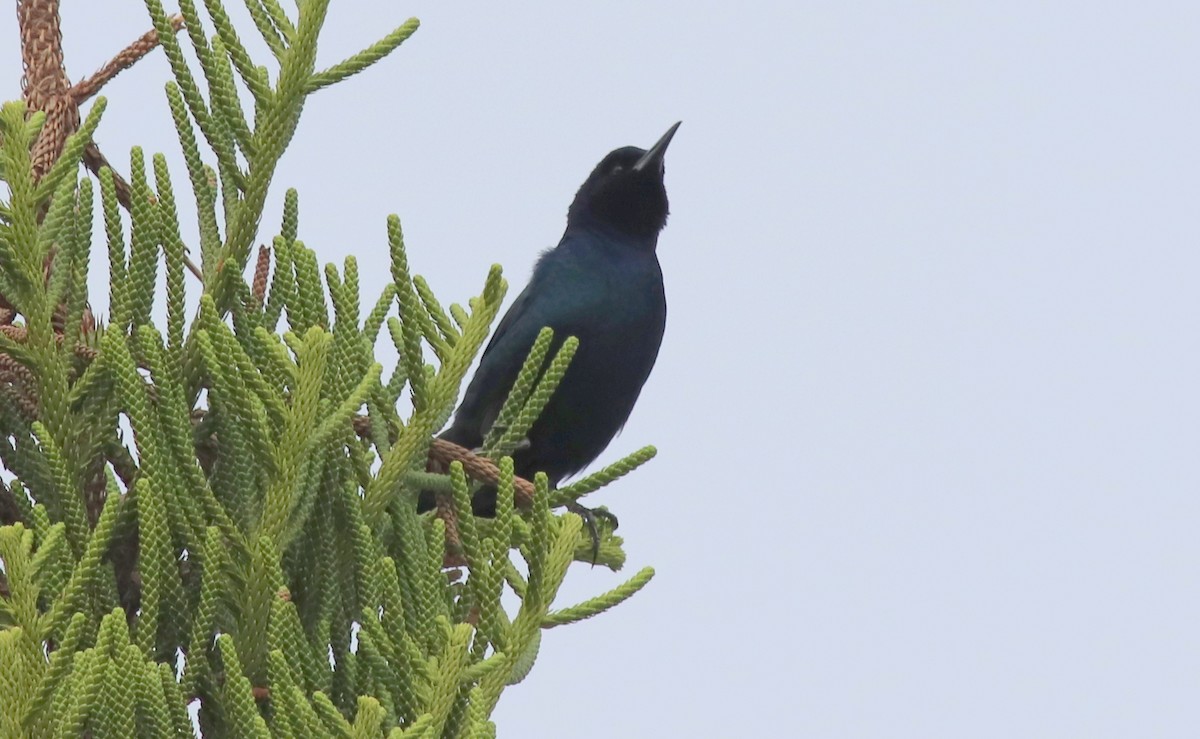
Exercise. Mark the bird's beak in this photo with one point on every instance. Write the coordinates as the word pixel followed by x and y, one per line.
pixel 653 159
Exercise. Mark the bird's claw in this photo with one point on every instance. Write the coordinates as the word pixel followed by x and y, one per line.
pixel 589 516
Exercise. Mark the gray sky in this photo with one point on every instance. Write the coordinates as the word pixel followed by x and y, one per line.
pixel 926 408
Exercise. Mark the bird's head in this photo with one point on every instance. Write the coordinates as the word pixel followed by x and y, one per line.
pixel 625 191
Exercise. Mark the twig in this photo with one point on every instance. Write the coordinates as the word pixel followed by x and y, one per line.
pixel 84 89
pixel 442 453
pixel 478 468
pixel 262 271
pixel 10 512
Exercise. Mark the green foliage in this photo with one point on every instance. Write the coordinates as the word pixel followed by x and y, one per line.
pixel 261 521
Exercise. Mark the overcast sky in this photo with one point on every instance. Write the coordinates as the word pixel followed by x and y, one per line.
pixel 927 405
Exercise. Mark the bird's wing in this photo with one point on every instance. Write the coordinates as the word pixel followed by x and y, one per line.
pixel 499 366
pixel 515 311
pixel 557 296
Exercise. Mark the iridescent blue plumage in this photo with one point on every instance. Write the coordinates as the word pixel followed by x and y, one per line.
pixel 602 284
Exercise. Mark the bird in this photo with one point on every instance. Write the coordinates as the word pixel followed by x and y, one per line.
pixel 603 285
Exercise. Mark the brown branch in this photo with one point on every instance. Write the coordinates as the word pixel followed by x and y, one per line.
pixel 126 58
pixel 19 383
pixel 45 81
pixel 262 271
pixel 11 370
pixel 16 333
pixel 27 407
pixel 10 512
pixel 122 463
pixel 442 453
pixel 19 334
pixel 478 468
pixel 95 161
pixel 482 469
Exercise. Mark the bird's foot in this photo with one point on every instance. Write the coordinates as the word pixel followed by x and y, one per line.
pixel 589 516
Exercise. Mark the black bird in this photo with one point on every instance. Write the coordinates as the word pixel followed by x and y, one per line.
pixel 602 284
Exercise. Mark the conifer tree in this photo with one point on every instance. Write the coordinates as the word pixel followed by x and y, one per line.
pixel 251 550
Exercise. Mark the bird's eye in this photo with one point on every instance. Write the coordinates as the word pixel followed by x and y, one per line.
pixel 617 168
